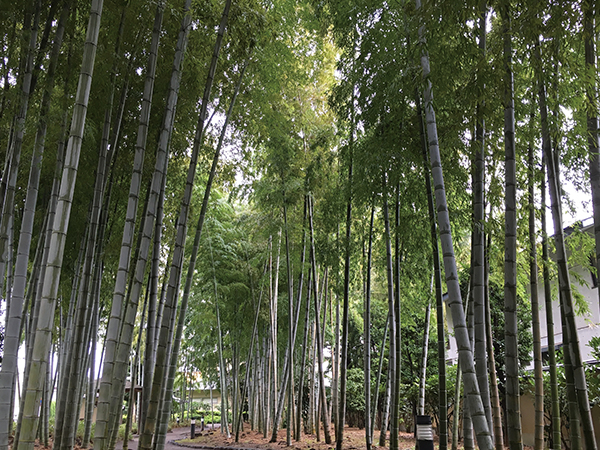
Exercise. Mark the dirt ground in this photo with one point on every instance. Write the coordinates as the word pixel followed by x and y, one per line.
pixel 354 439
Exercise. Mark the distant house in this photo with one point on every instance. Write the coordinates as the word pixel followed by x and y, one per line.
pixel 206 395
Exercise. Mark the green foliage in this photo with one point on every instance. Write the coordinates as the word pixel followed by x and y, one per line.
pixel 328 82
pixel 580 245
pixel 212 418
pixel 525 338
pixel 355 402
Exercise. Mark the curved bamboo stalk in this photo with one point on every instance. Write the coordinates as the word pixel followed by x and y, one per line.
pixel 455 300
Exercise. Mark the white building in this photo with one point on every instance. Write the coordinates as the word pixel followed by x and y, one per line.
pixel 588 325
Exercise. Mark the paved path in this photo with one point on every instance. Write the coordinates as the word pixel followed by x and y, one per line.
pixel 174 435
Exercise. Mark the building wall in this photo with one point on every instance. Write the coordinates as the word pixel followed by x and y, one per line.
pixel 203 395
pixel 528 421
pixel 588 325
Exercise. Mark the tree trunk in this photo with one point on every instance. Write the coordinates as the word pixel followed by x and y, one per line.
pixel 273 392
pixel 117 388
pixel 572 401
pixel 289 377
pixel 386 406
pixel 455 301
pixel 247 376
pixel 570 327
pixel 318 336
pixel 592 116
pixel 14 153
pixel 335 383
pixel 67 343
pixel 175 273
pixel 437 274
pixel 268 361
pixel 392 366
pixel 222 368
pixel 323 301
pixel 494 394
pixel 455 427
pixel 555 440
pixel 153 319
pixel 91 392
pixel 102 430
pixel 468 441
pixel 66 401
pixel 288 381
pixel 176 264
pixel 134 376
pixel 303 360
pixel 551 159
pixel 367 335
pixel 481 366
pixel 346 308
pixel 43 335
pixel 424 348
pixel 297 420
pixel 166 387
pixel 513 403
pixel 91 263
pixel 14 319
pixel 535 311
pixel 394 426
pixel 375 409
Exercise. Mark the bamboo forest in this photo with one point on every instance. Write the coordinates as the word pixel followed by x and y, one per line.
pixel 306 219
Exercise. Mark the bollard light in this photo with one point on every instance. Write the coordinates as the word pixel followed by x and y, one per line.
pixel 193 430
pixel 424 433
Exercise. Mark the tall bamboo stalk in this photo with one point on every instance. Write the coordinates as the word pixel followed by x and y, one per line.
pixel 555 441
pixel 569 326
pixel 437 277
pixel 103 429
pixel 392 366
pixel 318 335
pixel 455 300
pixel 367 335
pixel 535 311
pixel 43 335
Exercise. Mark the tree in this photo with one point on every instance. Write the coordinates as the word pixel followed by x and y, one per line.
pixel 465 354
pixel 43 333
pixel 513 408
